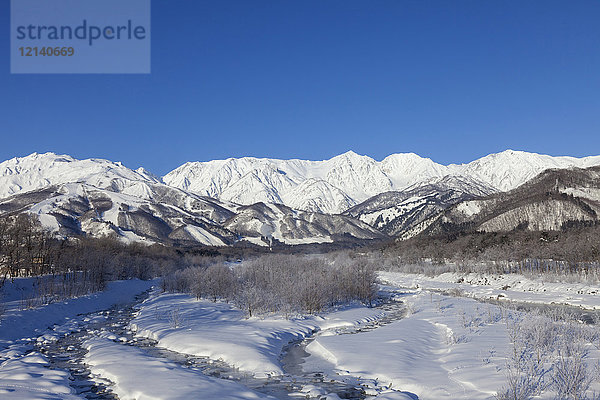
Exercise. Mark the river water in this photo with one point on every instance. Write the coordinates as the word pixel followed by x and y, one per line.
pixel 67 353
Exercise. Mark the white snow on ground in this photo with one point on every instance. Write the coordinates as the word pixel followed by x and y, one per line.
pixel 512 287
pixel 586 193
pixel 446 348
pixel 138 376
pixel 18 324
pixel 220 331
pixel 131 237
pixel 430 353
pixel 29 378
pixel 203 236
pixel 309 240
pixel 24 374
pixel 469 208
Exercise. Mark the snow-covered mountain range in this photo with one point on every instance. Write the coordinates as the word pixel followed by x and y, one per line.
pixel 335 185
pixel 222 202
pixel 100 197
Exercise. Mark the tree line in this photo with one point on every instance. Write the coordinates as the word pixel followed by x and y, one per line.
pixel 572 251
pixel 70 267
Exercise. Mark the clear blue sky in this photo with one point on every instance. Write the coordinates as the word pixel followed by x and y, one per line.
pixel 449 80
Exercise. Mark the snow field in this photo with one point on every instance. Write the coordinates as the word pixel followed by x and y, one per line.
pixel 433 353
pixel 17 324
pixel 138 376
pixel 458 348
pixel 447 348
pixel 28 378
pixel 181 323
pixel 444 348
pixel 24 372
pixel 512 287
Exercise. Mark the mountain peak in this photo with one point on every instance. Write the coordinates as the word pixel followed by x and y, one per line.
pixel 516 153
pixel 44 156
pixel 350 155
pixel 147 174
pixel 37 171
pixel 405 157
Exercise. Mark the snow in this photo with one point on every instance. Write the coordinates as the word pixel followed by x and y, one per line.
pixel 138 376
pixel 132 237
pixel 406 169
pixel 220 331
pixel 584 192
pixel 308 240
pixel 124 190
pixel 427 354
pixel 419 354
pixel 469 208
pixel 203 236
pixel 444 348
pixel 510 169
pixel 329 186
pixel 388 214
pixel 334 185
pixel 512 287
pixel 25 373
pixel 294 227
pixel 547 215
pixel 38 171
pixel 255 240
pixel 16 323
pixel 217 331
pixel 318 196
pixel 17 375
pixel 49 222
pixel 141 208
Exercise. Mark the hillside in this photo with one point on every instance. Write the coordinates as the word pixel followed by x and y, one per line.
pixel 554 200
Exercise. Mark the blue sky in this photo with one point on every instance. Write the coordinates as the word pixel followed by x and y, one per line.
pixel 449 80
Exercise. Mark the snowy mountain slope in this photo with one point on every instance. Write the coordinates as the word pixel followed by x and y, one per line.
pixel 260 184
pixel 266 222
pixel 510 169
pixel 337 184
pixel 553 200
pixel 457 183
pixel 329 186
pixel 318 196
pixel 359 176
pixel 98 197
pixel 406 169
pixel 397 213
pixel 80 209
pixel 38 171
